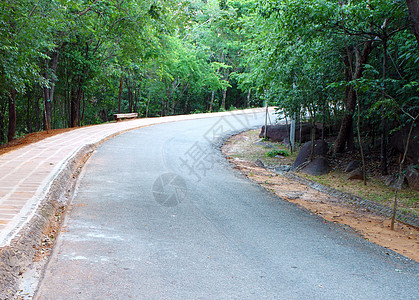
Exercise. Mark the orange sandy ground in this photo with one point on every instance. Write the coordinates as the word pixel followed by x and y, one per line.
pixel 404 239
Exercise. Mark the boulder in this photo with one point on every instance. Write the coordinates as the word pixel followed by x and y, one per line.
pixel 318 166
pixel 412 177
pixel 320 149
pixel 276 133
pixel 352 166
pixel 399 139
pixel 356 174
pixel 280 132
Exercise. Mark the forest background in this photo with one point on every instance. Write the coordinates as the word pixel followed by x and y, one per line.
pixel 69 63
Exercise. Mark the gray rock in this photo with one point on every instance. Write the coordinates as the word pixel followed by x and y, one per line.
pixel 352 166
pixel 318 166
pixel 356 174
pixel 320 149
pixel 399 139
pixel 412 177
pixel 279 133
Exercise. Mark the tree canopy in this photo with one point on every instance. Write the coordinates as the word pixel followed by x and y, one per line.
pixel 67 63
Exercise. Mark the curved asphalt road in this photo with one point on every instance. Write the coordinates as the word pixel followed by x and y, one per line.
pixel 202 231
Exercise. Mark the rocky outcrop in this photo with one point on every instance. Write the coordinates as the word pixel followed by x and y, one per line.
pixel 320 149
pixel 280 133
pixel 318 166
pixel 399 139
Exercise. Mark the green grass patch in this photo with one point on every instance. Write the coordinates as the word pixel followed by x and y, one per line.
pixel 274 153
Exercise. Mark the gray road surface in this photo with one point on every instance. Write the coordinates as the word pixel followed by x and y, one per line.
pixel 159 214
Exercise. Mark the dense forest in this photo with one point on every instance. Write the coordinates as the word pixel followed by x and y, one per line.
pixel 68 63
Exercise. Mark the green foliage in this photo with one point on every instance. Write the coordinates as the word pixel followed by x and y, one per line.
pixel 274 153
pixel 179 57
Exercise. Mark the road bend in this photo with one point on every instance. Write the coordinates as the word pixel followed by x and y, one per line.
pixel 159 214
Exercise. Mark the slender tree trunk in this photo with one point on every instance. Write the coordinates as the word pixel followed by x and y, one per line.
pixel 173 99
pixel 384 170
pixel 74 118
pixel 212 101
pixel 48 92
pixel 130 95
pixel 120 95
pixel 172 109
pixel 3 121
pixel 361 148
pixel 137 94
pixel 37 110
pixel 82 99
pixel 76 96
pixel 401 177
pixel 148 103
pixel 323 118
pixel 162 107
pixel 47 109
pixel 226 75
pixel 413 7
pixel 249 93
pixel 12 115
pixel 346 130
pixel 223 104
pixel 28 112
pixel 188 97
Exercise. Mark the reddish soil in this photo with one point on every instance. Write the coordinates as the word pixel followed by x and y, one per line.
pixel 30 138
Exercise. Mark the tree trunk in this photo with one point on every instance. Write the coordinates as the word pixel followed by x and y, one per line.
pixel 120 95
pixel 130 96
pixel 223 105
pixel 37 111
pixel 12 115
pixel 383 158
pixel 28 112
pixel 248 97
pixel 136 95
pixel 172 109
pixel 188 97
pixel 47 109
pixel 346 129
pixel 212 101
pixel 383 162
pixel 148 103
pixel 48 92
pixel 82 99
pixel 3 108
pixel 75 105
pixel 413 7
pixel 226 75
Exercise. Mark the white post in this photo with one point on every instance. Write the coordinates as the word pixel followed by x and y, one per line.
pixel 266 120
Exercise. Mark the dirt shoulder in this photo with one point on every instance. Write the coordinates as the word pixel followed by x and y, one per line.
pixel 243 150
